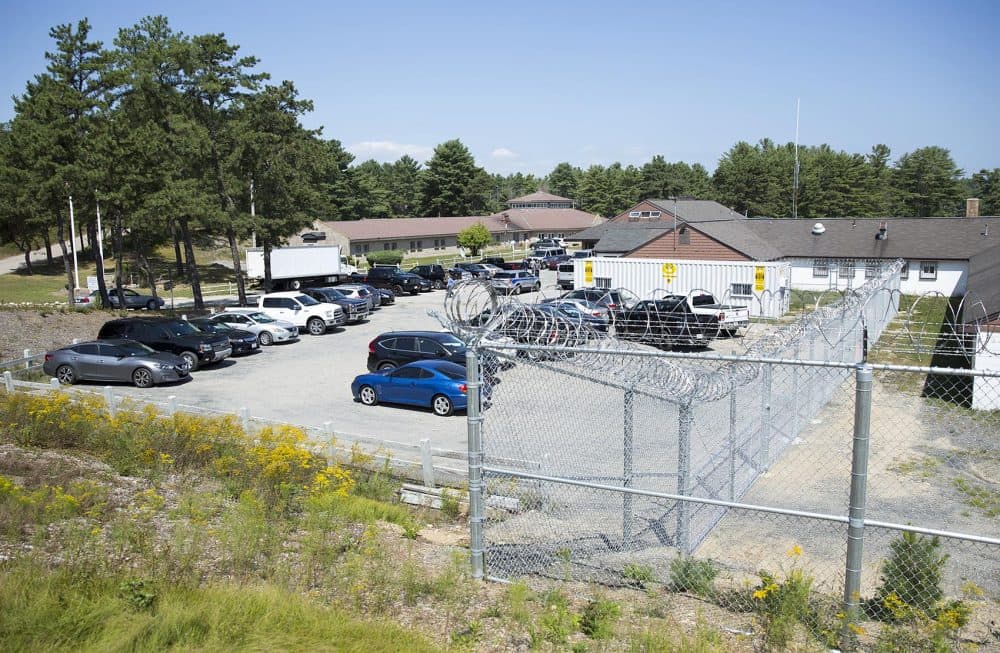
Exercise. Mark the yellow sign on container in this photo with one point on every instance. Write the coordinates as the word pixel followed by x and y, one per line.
pixel 669 271
pixel 588 272
pixel 758 278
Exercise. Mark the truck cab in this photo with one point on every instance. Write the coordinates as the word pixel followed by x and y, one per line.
pixel 302 310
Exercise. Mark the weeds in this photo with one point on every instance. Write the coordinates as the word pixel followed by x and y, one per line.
pixel 688 574
pixel 450 505
pixel 638 575
pixel 599 617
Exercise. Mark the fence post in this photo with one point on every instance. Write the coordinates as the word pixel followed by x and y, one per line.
pixel 54 383
pixel 859 489
pixel 765 409
pixel 8 381
pixel 244 414
pixel 172 404
pixel 475 443
pixel 427 462
pixel 732 444
pixel 109 401
pixel 328 445
pixel 27 355
pixel 685 419
pixel 627 455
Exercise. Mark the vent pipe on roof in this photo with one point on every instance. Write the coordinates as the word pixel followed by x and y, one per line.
pixel 883 231
pixel 818 229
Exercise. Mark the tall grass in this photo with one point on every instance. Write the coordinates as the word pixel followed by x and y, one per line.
pixel 65 611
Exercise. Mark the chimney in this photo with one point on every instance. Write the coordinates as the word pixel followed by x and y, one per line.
pixel 972 208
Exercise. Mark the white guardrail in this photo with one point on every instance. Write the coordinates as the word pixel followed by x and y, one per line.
pixel 414 461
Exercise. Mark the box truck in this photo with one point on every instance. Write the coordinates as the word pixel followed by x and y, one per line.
pixel 294 267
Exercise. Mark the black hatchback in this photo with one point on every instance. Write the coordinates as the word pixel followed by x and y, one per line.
pixel 397 348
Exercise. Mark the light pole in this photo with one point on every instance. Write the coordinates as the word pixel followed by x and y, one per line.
pixel 72 243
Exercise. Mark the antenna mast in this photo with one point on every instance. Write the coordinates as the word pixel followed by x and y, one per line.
pixel 795 172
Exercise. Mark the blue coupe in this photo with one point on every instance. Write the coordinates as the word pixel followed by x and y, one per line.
pixel 435 383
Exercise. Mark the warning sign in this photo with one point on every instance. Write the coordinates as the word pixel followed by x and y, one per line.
pixel 758 278
pixel 669 271
pixel 588 272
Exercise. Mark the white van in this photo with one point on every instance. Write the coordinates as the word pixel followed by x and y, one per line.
pixel 542 252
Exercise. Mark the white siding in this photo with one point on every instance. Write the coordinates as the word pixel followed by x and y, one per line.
pixel 644 277
pixel 951 277
pixel 986 391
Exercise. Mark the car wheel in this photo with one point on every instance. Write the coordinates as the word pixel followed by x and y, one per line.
pixel 367 395
pixel 442 406
pixel 386 365
pixel 516 290
pixel 316 326
pixel 397 290
pixel 438 284
pixel 191 358
pixel 294 284
pixel 265 339
pixel 151 305
pixel 66 375
pixel 538 287
pixel 142 378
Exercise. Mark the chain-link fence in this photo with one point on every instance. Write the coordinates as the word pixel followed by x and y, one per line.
pixel 795 466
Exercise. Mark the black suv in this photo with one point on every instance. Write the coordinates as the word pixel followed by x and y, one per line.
pixel 400 347
pixel 433 273
pixel 355 309
pixel 395 280
pixel 171 335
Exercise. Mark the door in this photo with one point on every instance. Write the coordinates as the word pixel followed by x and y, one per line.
pixel 116 366
pixel 402 386
pixel 431 349
pixel 282 308
pixel 86 358
pixel 404 350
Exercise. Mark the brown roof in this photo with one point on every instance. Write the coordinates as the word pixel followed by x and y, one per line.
pixel 539 196
pixel 517 219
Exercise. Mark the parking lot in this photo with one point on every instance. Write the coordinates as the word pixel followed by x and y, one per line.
pixel 308 382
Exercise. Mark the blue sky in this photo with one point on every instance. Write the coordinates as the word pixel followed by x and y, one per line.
pixel 526 85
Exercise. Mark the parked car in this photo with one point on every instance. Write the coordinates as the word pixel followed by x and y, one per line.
pixel 396 348
pixel 267 329
pixel 492 269
pixel 583 253
pixel 571 312
pixel 394 279
pixel 549 242
pixel 516 265
pixel 615 301
pixel 126 361
pixel 302 310
pixel 437 384
pixel 132 299
pixel 493 260
pixel 731 317
pixel 515 282
pixel 242 342
pixel 666 323
pixel 552 262
pixel 170 335
pixel 585 306
pixel 565 275
pixel 477 270
pixel 355 309
pixel 541 253
pixel 458 274
pixel 434 273
pixel 362 291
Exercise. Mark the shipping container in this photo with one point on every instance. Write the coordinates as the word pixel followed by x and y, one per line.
pixel 763 287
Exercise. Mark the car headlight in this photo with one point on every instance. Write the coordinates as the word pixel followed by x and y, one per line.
pixel 204 347
pixel 329 313
pixel 164 366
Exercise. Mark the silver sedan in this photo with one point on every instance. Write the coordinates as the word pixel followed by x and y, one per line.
pixel 126 361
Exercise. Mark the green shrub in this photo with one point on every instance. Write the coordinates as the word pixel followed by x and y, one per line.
pixel 385 257
pixel 558 621
pixel 783 605
pixel 598 618
pixel 911 578
pixel 640 575
pixel 690 575
pixel 450 505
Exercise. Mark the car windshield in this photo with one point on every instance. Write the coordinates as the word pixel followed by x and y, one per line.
pixel 135 349
pixel 216 327
pixel 306 300
pixel 181 328
pixel 333 294
pixel 262 318
pixel 504 275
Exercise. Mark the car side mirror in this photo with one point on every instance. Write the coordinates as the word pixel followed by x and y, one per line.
pixel 297 308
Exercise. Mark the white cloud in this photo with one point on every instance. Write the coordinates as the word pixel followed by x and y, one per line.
pixel 502 153
pixel 389 150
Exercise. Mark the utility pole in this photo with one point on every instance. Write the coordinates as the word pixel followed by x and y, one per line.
pixel 795 173
pixel 72 242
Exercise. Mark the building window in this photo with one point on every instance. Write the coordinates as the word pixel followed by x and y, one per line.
pixel 412 248
pixel 634 214
pixel 602 282
pixel 742 290
pixel 385 246
pixel 846 269
pixel 365 248
pixel 420 245
pixel 904 272
pixel 871 269
pixel 928 270
pixel 394 245
pixel 685 235
pixel 654 214
pixel 821 268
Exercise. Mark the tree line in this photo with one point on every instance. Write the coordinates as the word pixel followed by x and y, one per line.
pixel 179 139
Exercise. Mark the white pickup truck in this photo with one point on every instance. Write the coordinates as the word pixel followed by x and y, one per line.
pixel 302 310
pixel 731 318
